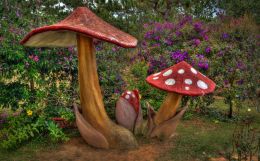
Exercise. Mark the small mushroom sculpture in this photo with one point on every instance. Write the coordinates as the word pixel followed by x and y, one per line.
pixel 178 80
pixel 129 112
pixel 79 29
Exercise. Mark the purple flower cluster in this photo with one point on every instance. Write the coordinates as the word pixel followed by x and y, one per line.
pixel 225 35
pixel 149 35
pixel 156 65
pixel 67 58
pixel 178 33
pixel 179 56
pixel 3 117
pixel 16 31
pixel 18 14
pixel 196 42
pixel 220 53
pixel 157 38
pixel 198 26
pixel 203 64
pixel 168 25
pixel 156 29
pixel 146 25
pixel 168 41
pixel 144 44
pixel 158 26
pixel 241 65
pixel 71 49
pixel 156 45
pixel 200 56
pixel 208 49
pixel 116 48
pixel 121 84
pixel 184 21
pixel 231 70
pixel 240 82
pixel 226 83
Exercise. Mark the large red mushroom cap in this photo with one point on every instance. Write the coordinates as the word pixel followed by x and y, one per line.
pixel 81 20
pixel 182 78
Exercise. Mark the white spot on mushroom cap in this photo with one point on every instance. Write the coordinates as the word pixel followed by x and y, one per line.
pixel 187 88
pixel 202 84
pixel 133 95
pixel 167 73
pixel 170 82
pixel 188 81
pixel 181 71
pixel 194 71
pixel 154 78
pixel 128 92
pixel 156 74
pixel 127 96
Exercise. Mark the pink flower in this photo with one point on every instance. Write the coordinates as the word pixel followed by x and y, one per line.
pixel 27 64
pixel 145 25
pixel 1 38
pixel 36 58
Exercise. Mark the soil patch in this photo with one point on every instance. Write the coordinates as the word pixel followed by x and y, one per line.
pixel 77 150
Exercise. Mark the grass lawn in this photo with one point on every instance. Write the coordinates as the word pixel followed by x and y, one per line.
pixel 201 139
pixel 198 138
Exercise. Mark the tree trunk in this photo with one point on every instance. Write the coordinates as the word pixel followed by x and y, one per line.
pixel 6 6
pixel 91 98
pixel 168 108
pixel 230 114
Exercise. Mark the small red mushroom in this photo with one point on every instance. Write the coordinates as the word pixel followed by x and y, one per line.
pixel 178 80
pixel 133 98
pixel 128 110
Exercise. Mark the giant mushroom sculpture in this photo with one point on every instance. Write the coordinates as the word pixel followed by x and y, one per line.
pixel 178 80
pixel 79 29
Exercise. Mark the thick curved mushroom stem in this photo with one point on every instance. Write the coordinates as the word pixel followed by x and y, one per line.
pixel 91 98
pixel 89 134
pixel 168 108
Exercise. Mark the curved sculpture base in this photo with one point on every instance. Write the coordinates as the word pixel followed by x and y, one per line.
pixel 88 133
pixel 163 131
pixel 166 129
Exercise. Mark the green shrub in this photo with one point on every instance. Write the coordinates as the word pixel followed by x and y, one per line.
pixel 148 93
pixel 21 126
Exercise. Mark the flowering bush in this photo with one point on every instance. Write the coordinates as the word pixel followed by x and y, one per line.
pixel 167 43
pixel 224 51
pixel 46 79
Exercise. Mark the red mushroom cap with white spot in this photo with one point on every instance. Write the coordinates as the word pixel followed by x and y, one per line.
pixel 182 78
pixel 133 98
